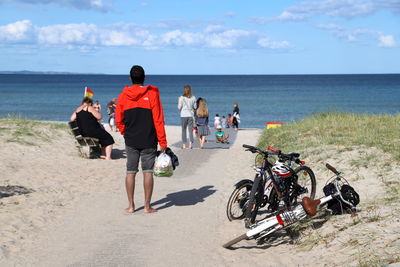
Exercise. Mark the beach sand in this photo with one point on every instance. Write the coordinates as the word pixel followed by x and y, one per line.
pixel 57 209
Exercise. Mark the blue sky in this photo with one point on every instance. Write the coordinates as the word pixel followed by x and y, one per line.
pixel 201 36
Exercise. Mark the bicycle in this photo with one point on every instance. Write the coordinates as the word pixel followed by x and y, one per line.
pixel 269 187
pixel 307 208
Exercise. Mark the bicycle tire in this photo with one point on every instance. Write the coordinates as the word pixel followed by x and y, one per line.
pixel 311 176
pixel 273 197
pixel 234 241
pixel 254 205
pixel 238 198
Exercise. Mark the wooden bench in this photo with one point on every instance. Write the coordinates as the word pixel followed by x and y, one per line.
pixel 88 147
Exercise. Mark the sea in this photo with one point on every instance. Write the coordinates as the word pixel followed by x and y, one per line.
pixel 261 98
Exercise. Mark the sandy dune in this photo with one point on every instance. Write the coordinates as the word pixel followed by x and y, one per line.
pixel 57 209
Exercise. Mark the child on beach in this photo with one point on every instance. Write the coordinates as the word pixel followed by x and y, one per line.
pixel 201 117
pixel 220 136
pixel 217 121
pixel 223 122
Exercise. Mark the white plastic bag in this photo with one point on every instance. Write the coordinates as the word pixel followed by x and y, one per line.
pixel 163 166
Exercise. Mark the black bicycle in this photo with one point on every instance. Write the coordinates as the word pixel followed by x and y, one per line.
pixel 269 187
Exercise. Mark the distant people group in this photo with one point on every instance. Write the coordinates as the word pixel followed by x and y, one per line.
pixel 194 116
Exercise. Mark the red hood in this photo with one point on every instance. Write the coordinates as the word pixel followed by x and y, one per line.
pixel 136 92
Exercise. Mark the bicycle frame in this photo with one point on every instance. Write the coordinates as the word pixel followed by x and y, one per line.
pixel 287 218
pixel 265 179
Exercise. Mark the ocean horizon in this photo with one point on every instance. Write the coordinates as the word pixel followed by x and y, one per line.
pixel 261 98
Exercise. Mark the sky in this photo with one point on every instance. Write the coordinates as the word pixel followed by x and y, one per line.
pixel 201 36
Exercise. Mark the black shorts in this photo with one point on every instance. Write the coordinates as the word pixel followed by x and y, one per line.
pixel 147 157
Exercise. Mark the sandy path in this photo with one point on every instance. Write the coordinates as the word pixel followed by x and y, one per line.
pixel 186 229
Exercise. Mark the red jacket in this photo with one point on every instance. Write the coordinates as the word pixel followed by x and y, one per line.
pixel 139 117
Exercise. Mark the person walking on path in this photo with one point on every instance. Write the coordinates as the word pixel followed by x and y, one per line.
pixel 140 119
pixel 187 105
pixel 202 121
pixel 111 113
pixel 236 116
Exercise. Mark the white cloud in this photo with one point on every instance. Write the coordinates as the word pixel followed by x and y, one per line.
pixel 366 36
pixel 78 4
pixel 19 31
pixel 78 34
pixel 267 43
pixel 332 8
pixel 83 36
pixel 386 41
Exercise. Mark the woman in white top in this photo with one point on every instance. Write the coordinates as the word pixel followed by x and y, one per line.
pixel 187 106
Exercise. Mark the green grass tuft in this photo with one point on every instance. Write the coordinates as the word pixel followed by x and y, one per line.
pixel 28 132
pixel 340 129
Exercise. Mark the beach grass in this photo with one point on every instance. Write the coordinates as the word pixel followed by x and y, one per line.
pixel 336 128
pixel 28 132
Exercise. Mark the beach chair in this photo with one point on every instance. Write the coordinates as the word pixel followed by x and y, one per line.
pixel 88 147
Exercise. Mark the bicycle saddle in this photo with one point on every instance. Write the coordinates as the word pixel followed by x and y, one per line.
pixel 310 205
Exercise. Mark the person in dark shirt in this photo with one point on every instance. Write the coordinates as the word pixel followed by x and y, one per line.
pixel 236 116
pixel 140 119
pixel 87 118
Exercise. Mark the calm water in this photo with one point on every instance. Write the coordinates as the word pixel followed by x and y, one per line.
pixel 261 98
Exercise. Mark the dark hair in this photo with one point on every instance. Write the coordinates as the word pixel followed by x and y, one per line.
pixel 87 100
pixel 137 74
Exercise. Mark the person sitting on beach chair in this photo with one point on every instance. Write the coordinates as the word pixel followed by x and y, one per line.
pixel 220 136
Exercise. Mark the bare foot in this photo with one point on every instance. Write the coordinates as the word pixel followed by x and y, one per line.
pixel 149 210
pixel 130 210
pixel 108 158
pixel 103 157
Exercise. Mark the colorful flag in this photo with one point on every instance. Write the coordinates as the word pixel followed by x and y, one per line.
pixel 88 93
pixel 274 124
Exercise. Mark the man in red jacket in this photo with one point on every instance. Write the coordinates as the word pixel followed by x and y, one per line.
pixel 140 119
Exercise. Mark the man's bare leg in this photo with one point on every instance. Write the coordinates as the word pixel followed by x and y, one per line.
pixel 148 184
pixel 130 190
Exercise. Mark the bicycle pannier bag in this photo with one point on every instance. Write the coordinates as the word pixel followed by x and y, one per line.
pixel 337 205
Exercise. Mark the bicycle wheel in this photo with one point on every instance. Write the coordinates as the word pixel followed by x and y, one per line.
pixel 302 184
pixel 255 198
pixel 306 183
pixel 234 241
pixel 238 201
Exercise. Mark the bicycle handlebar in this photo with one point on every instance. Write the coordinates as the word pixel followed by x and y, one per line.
pixel 249 147
pixel 330 167
pixel 273 149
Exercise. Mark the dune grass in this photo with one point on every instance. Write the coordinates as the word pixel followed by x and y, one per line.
pixel 336 128
pixel 27 132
